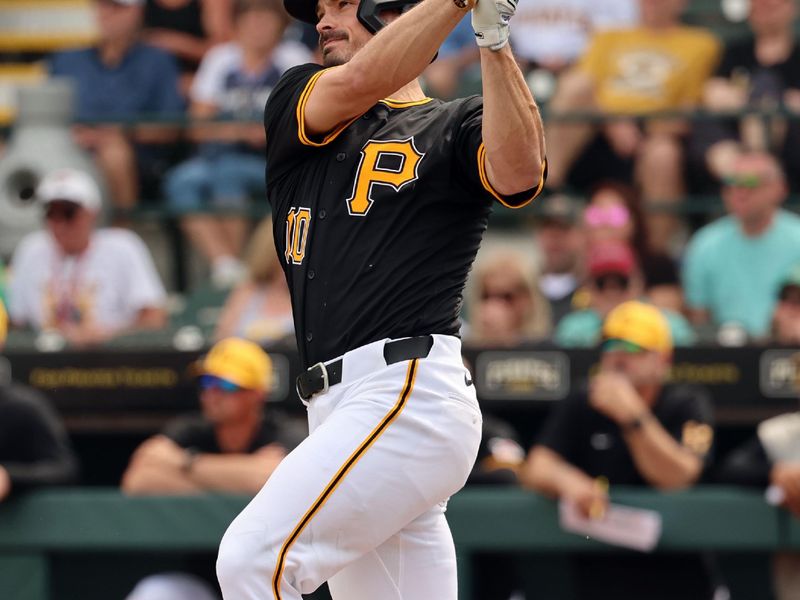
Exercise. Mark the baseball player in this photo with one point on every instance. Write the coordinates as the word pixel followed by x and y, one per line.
pixel 380 197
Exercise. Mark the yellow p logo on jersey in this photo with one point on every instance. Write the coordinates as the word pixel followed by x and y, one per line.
pixel 393 163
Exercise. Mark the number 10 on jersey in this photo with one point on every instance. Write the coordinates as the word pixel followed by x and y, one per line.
pixel 298 221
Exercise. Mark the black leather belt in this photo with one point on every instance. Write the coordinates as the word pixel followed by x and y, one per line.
pixel 322 376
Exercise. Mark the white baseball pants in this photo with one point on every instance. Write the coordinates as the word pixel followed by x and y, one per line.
pixel 360 503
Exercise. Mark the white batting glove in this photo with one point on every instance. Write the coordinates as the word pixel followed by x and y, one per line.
pixel 490 22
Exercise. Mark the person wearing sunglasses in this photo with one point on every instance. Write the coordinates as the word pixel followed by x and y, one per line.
pixel 733 266
pixel 613 278
pixel 615 212
pixel 506 306
pixel 627 427
pixel 233 446
pixel 86 284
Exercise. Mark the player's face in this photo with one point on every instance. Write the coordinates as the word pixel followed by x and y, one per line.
pixel 341 35
pixel 70 224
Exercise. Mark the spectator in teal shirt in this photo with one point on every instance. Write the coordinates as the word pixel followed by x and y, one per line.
pixel 734 266
pixel 613 279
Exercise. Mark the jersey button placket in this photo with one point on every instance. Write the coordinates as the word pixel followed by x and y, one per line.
pixel 309 336
pixel 322 214
pixel 311 274
pixel 341 156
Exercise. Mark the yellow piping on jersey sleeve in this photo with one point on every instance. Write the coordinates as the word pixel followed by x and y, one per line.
pixel 488 186
pixel 301 121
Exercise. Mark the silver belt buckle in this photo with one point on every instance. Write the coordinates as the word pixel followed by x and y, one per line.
pixel 325 382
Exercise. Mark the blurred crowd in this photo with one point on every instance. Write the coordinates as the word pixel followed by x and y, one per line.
pixel 647 118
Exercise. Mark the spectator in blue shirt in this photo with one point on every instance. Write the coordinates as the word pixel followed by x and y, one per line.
pixel 120 78
pixel 234 81
pixel 734 265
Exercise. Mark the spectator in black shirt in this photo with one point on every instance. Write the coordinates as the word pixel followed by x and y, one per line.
pixel 631 430
pixel 560 241
pixel 233 447
pixel 34 449
pixel 762 71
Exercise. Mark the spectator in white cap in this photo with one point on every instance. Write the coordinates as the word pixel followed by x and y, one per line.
pixel 86 284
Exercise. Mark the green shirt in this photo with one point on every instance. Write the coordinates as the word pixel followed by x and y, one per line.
pixel 583 328
pixel 735 277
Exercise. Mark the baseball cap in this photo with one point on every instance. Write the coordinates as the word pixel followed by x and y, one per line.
pixel 69 185
pixel 3 323
pixel 611 256
pixel 633 326
pixel 559 208
pixel 239 361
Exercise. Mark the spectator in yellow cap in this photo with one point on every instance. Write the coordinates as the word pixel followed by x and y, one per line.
pixel 627 427
pixel 233 447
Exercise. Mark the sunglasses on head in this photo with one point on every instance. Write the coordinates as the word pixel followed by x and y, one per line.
pixel 749 181
pixel 61 212
pixel 615 215
pixel 212 382
pixel 614 281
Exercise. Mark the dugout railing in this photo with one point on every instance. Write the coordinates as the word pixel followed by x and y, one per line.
pixel 93 544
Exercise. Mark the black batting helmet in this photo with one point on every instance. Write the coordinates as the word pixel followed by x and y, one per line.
pixel 368 11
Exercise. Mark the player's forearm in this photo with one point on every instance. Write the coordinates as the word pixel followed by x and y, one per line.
pixel 401 51
pixel 512 127
pixel 242 473
pixel 661 461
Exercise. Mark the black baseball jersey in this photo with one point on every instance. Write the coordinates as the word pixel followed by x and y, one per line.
pixel 377 222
